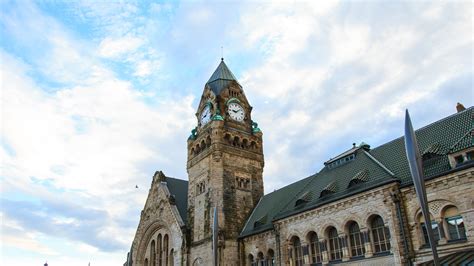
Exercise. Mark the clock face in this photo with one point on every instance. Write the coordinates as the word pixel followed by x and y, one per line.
pixel 236 112
pixel 205 115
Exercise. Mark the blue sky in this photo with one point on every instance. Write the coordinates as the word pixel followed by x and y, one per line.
pixel 98 95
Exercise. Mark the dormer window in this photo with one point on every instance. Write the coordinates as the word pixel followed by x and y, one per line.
pixel 328 190
pixel 463 150
pixel 305 198
pixel 359 178
pixel 341 161
pixel 346 156
pixel 462 157
pixel 261 221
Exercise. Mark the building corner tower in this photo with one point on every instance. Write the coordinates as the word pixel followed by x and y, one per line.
pixel 225 166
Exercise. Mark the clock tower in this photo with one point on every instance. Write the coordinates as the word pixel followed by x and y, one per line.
pixel 225 167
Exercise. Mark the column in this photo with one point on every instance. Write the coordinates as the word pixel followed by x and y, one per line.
pixel 290 255
pixel 442 233
pixel 367 244
pixel 345 250
pixel 305 248
pixel 324 251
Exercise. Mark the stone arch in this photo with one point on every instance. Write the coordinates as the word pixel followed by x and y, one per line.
pixel 352 218
pixel 208 141
pixel 227 137
pixel 149 231
pixel 197 149
pixel 245 143
pixel 435 207
pixel 250 259
pixel 292 234
pixel 309 231
pixel 236 141
pixel 328 225
pixel 419 214
pixel 371 216
pixel 447 206
pixel 197 261
pixel 253 145
pixel 270 257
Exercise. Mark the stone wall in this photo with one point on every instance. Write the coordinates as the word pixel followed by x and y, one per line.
pixel 159 217
pixel 359 208
pixel 456 189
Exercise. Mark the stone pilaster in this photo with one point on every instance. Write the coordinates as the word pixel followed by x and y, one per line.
pixel 345 249
pixel 367 244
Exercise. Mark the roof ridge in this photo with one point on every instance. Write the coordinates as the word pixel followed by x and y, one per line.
pixel 379 164
pixel 460 139
pixel 178 179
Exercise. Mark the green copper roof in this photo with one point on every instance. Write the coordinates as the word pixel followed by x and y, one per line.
pixel 439 136
pixel 369 169
pixel 221 78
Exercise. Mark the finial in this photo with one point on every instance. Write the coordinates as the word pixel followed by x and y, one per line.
pixel 222 53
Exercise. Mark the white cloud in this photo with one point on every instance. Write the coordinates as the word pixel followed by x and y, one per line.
pixel 335 67
pixel 330 73
pixel 114 48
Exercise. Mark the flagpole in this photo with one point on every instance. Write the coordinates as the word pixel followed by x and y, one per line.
pixel 416 170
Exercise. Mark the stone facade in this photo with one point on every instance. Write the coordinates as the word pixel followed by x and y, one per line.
pixel 452 190
pixel 377 221
pixel 161 229
pixel 225 167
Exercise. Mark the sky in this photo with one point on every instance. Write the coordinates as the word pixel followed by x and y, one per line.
pixel 98 95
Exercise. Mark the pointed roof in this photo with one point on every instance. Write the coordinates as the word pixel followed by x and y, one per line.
pixel 221 78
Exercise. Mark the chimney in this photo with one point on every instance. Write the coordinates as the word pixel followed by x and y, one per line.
pixel 460 107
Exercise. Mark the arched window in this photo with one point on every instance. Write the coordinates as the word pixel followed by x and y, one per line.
pixel 160 250
pixel 260 259
pixel 454 224
pixel 355 240
pixel 270 257
pixel 165 250
pixel 434 227
pixel 335 247
pixel 250 260
pixel 380 235
pixel 314 249
pixel 152 253
pixel 146 262
pixel 297 251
